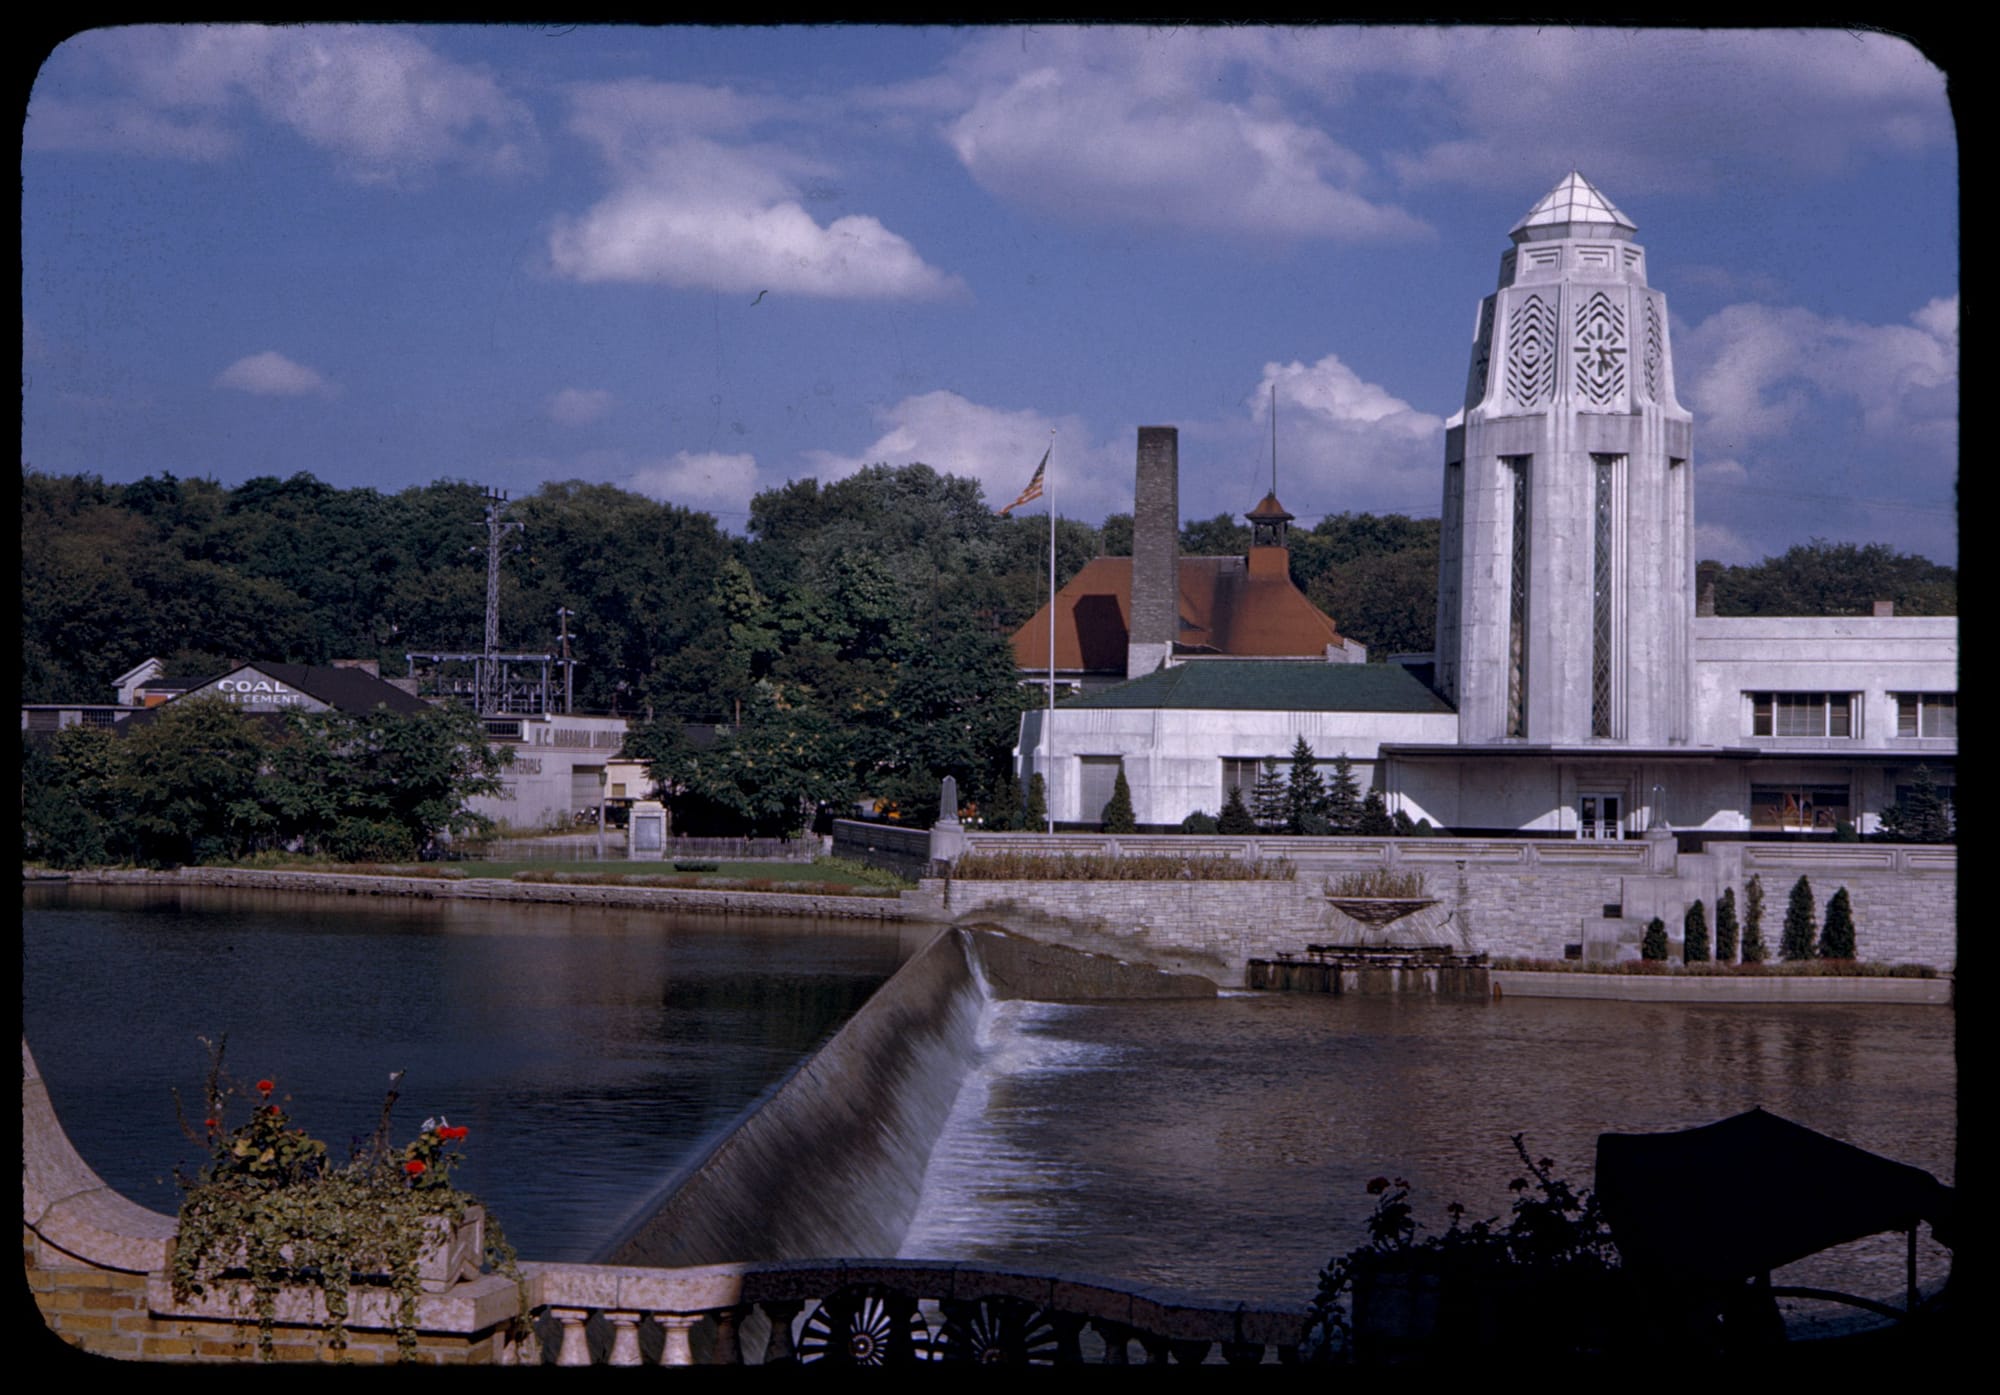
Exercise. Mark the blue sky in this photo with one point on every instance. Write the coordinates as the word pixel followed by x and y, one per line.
pixel 700 262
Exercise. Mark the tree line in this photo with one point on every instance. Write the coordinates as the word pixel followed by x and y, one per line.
pixel 852 643
pixel 201 781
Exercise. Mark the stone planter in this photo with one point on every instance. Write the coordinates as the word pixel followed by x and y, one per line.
pixel 450 1252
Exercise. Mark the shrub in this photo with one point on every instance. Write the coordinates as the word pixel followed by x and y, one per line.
pixel 1267 800
pixel 1836 941
pixel 1922 817
pixel 1753 921
pixel 1118 812
pixel 1654 945
pixel 1725 925
pixel 1103 867
pixel 1694 935
pixel 1378 883
pixel 1202 822
pixel 1305 793
pixel 1035 818
pixel 1801 939
pixel 1236 820
pixel 1343 797
pixel 1375 820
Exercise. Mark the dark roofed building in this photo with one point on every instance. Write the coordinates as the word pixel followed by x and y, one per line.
pixel 273 687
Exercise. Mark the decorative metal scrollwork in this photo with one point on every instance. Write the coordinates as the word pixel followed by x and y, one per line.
pixel 997 1331
pixel 865 1325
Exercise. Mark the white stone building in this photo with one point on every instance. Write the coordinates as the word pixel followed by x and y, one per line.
pixel 1575 690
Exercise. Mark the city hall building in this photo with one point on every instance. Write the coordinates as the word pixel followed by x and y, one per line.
pixel 1580 687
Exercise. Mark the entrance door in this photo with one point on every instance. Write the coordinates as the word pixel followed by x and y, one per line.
pixel 1598 816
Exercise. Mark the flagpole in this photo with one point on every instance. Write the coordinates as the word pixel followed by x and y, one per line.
pixel 1049 722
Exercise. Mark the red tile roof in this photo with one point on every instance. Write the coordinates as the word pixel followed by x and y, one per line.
pixel 1224 609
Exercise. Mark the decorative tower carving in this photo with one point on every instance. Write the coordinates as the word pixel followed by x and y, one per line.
pixel 1566 571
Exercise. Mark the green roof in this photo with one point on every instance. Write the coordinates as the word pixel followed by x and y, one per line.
pixel 1252 685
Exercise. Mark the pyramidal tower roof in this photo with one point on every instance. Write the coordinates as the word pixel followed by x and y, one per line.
pixel 1574 203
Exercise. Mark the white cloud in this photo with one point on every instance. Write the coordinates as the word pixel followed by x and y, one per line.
pixel 706 480
pixel 1345 445
pixel 579 406
pixel 1751 372
pixel 689 210
pixel 1715 543
pixel 999 448
pixel 271 374
pixel 1126 126
pixel 377 99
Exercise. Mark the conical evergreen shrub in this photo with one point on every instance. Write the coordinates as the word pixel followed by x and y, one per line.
pixel 1035 818
pixel 1753 921
pixel 1654 945
pixel 1118 813
pixel 1725 926
pixel 1694 935
pixel 1836 941
pixel 1235 818
pixel 1801 939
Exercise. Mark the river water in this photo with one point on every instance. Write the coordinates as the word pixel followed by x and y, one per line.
pixel 1220 1148
pixel 590 1052
pixel 1226 1146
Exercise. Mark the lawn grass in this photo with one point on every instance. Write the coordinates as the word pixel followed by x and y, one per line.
pixel 828 876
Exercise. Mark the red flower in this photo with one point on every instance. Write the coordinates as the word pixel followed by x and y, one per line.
pixel 453 1131
pixel 213 1123
pixel 414 1166
pixel 264 1087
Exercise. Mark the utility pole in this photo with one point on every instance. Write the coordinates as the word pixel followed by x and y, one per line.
pixel 563 614
pixel 496 529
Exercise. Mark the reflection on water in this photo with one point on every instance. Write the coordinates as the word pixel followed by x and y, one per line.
pixel 591 1052
pixel 1226 1147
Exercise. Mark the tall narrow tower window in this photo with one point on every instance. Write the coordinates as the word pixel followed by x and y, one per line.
pixel 1604 472
pixel 1517 599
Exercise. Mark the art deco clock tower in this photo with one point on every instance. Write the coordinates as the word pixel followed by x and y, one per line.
pixel 1566 568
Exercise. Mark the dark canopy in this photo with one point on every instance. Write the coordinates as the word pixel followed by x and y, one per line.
pixel 1738 1198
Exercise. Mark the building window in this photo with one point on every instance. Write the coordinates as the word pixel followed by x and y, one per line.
pixel 1603 561
pixel 1802 714
pixel 1099 781
pixel 1927 714
pixel 1517 600
pixel 104 721
pixel 1798 808
pixel 1240 773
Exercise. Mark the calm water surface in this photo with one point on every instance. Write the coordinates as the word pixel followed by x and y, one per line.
pixel 590 1052
pixel 1226 1147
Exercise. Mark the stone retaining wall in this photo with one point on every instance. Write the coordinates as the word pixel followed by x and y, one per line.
pixel 1716 988
pixel 493 889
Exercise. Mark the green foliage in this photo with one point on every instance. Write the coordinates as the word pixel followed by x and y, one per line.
pixel 1836 941
pixel 1204 823
pixel 188 785
pixel 1753 921
pixel 1118 811
pixel 1725 926
pixel 1376 576
pixel 1556 1234
pixel 1235 820
pixel 1375 821
pixel 1801 939
pixel 1305 795
pixel 1342 805
pixel 1653 946
pixel 270 1205
pixel 1036 816
pixel 1837 578
pixel 1920 817
pixel 1268 798
pixel 1694 935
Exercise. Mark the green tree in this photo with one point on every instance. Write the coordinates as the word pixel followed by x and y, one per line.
pixel 1116 535
pixel 62 821
pixel 1118 812
pixel 1235 819
pixel 1921 816
pixel 1305 794
pixel 1725 925
pixel 1694 935
pixel 1653 946
pixel 1753 921
pixel 1342 807
pixel 1267 798
pixel 190 783
pixel 1837 578
pixel 1836 941
pixel 1375 821
pixel 1801 940
pixel 1036 816
pixel 1220 536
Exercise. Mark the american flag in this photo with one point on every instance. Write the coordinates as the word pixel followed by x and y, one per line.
pixel 1034 489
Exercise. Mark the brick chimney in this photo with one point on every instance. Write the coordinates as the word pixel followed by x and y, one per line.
pixel 1156 536
pixel 1705 574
